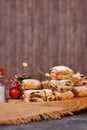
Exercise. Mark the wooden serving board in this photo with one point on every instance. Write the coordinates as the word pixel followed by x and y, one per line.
pixel 17 111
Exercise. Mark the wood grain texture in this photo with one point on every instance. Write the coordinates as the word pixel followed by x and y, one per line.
pixel 43 33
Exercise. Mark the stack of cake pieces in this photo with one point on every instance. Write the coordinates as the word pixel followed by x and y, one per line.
pixel 80 85
pixel 64 84
pixel 60 83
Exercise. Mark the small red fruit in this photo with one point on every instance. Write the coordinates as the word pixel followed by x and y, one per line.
pixel 15 92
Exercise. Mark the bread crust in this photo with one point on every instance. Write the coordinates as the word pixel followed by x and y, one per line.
pixel 61 72
pixel 45 95
pixel 63 96
pixel 38 95
pixel 58 85
pixel 80 91
pixel 31 84
pixel 79 79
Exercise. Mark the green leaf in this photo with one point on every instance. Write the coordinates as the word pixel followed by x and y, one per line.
pixel 22 78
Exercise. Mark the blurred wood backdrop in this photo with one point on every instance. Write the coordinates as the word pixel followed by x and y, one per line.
pixel 43 33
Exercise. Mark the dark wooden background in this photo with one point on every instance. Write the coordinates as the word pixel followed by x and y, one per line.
pixel 43 33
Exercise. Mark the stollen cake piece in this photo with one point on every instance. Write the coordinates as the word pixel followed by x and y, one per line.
pixel 79 79
pixel 38 95
pixel 58 85
pixel 61 72
pixel 80 91
pixel 33 95
pixel 64 96
pixel 45 95
pixel 31 84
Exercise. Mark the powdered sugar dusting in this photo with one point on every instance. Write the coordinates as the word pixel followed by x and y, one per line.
pixel 47 90
pixel 60 68
pixel 81 88
pixel 27 81
pixel 63 80
pixel 30 91
pixel 77 75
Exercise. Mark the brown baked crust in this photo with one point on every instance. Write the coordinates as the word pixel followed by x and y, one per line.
pixel 38 95
pixel 45 95
pixel 63 96
pixel 61 72
pixel 50 96
pixel 80 91
pixel 79 79
pixel 31 84
pixel 58 85
pixel 33 95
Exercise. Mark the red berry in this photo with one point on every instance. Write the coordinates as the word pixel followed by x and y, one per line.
pixel 18 85
pixel 15 93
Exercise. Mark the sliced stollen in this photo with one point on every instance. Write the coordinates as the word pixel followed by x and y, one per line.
pixel 61 72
